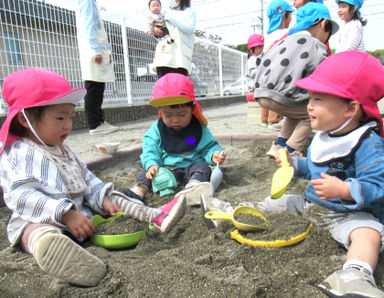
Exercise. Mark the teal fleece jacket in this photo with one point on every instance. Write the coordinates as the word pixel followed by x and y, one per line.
pixel 154 154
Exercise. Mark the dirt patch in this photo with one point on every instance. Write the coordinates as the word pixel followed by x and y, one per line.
pixel 123 224
pixel 191 260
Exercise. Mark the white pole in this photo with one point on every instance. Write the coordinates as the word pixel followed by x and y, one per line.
pixel 220 71
pixel 126 62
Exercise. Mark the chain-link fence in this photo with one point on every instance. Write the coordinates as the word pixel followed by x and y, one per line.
pixel 36 34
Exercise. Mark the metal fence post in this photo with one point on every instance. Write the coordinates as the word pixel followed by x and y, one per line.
pixel 126 62
pixel 220 70
pixel 243 74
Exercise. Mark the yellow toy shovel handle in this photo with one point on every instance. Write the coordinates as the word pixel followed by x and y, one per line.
pixel 283 157
pixel 218 215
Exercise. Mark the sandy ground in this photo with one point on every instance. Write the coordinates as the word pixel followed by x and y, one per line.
pixel 192 260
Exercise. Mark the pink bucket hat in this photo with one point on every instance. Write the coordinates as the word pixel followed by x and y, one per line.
pixel 173 89
pixel 353 75
pixel 32 87
pixel 255 40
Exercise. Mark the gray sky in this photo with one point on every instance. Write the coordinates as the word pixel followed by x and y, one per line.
pixel 234 21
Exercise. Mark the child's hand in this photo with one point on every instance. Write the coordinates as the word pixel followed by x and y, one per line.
pixel 278 159
pixel 149 33
pixel 216 158
pixel 331 187
pixel 152 171
pixel 78 224
pixel 158 32
pixel 109 207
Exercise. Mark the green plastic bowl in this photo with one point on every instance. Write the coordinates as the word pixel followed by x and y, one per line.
pixel 114 241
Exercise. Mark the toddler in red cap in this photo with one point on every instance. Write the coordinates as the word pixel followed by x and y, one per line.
pixel 345 164
pixel 49 189
pixel 179 141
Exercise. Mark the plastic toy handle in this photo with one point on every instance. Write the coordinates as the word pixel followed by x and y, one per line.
pixel 283 157
pixel 218 215
pixel 220 155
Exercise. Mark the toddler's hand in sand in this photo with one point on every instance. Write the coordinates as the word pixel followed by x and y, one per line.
pixel 109 207
pixel 152 171
pixel 78 224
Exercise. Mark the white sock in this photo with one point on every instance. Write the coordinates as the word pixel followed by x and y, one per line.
pixel 358 265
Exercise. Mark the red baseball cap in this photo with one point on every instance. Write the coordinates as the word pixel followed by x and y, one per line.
pixel 173 89
pixel 353 75
pixel 32 87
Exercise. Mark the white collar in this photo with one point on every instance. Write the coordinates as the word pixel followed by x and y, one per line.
pixel 326 147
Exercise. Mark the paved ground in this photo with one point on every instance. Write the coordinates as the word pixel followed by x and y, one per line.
pixel 226 122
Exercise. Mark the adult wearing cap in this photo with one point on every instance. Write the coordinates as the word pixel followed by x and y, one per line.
pixel 352 33
pixel 279 14
pixel 293 58
pixel 300 3
pixel 96 64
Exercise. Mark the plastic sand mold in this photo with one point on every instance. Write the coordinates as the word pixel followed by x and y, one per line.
pixel 275 243
pixel 114 241
pixel 237 212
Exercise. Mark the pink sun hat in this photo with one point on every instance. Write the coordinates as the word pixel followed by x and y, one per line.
pixel 353 75
pixel 173 89
pixel 255 40
pixel 32 87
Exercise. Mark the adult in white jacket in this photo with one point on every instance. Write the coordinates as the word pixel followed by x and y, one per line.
pixel 176 57
pixel 96 63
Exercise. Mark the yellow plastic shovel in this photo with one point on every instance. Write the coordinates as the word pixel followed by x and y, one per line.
pixel 238 211
pixel 282 176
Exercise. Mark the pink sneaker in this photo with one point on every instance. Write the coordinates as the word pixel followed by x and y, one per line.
pixel 171 214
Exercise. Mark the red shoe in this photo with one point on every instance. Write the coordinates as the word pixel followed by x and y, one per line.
pixel 171 214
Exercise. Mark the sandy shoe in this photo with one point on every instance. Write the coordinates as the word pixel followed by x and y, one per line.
pixel 296 154
pixel 350 283
pixel 192 194
pixel 170 215
pixel 273 150
pixel 103 128
pixel 129 195
pixel 274 125
pixel 60 256
pixel 209 203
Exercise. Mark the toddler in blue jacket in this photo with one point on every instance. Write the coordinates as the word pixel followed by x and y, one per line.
pixel 345 166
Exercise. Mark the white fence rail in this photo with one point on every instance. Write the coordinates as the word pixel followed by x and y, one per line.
pixel 36 34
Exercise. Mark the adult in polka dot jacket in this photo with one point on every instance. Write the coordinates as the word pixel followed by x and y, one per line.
pixel 292 59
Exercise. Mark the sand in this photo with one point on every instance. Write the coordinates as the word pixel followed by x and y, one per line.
pixel 192 260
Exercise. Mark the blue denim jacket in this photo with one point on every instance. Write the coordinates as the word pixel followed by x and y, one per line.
pixel 364 173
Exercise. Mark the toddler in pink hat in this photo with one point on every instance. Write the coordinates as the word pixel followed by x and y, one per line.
pixel 49 189
pixel 179 141
pixel 345 164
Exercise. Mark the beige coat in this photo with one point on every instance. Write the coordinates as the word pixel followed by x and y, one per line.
pixel 179 53
pixel 92 71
